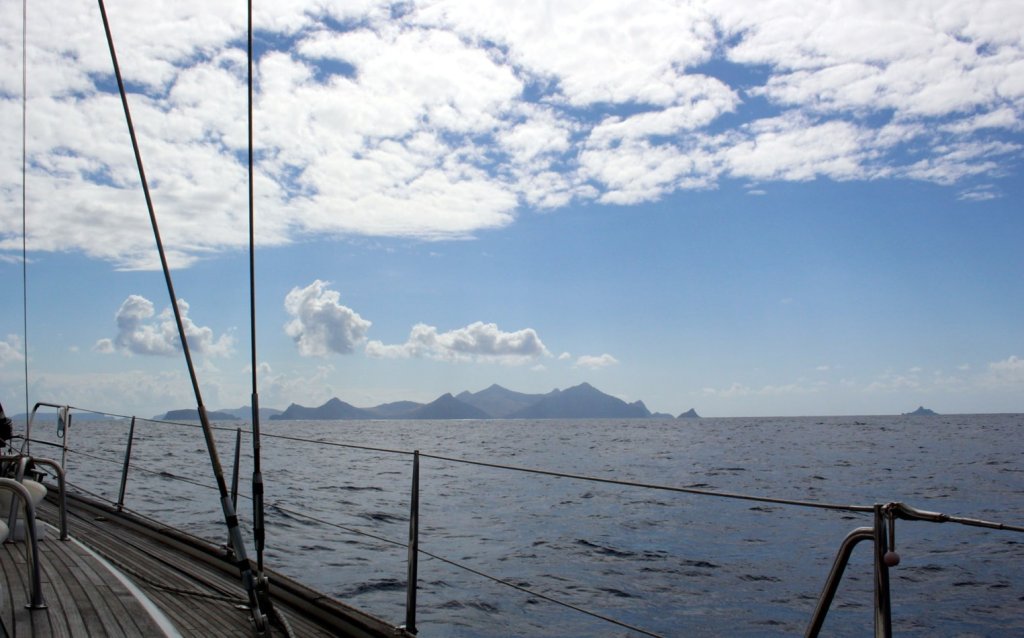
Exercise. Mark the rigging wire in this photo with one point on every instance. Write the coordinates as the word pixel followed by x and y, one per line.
pixel 230 518
pixel 24 190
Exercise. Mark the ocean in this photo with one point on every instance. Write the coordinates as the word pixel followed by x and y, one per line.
pixel 673 564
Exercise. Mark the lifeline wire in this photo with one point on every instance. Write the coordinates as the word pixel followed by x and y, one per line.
pixel 612 481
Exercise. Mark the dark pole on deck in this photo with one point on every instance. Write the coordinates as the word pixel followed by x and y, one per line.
pixel 230 518
pixel 124 470
pixel 257 476
pixel 234 473
pixel 414 547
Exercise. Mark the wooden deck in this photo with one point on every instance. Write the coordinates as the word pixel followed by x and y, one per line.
pixel 192 585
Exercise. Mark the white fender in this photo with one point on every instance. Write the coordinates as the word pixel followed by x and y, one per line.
pixel 35 489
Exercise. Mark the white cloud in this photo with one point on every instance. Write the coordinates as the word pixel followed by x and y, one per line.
pixel 925 59
pixel 320 324
pixel 1008 372
pixel 595 51
pixel 734 390
pixel 979 194
pixel 478 341
pixel 141 331
pixel 740 390
pixel 443 119
pixel 596 362
pixel 791 147
pixel 10 350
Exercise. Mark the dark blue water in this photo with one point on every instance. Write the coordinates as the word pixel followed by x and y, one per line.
pixel 674 564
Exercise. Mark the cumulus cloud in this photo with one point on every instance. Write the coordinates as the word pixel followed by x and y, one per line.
pixel 448 117
pixel 1008 372
pixel 596 362
pixel 141 331
pixel 320 324
pixel 10 350
pixel 479 341
pixel 978 194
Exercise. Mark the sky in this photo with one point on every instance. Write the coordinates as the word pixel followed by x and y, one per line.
pixel 750 209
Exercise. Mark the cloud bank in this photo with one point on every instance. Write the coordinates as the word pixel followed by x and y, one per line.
pixel 482 342
pixel 450 117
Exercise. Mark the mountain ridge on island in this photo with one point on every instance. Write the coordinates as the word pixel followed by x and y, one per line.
pixel 583 401
pixel 243 413
pixel 921 411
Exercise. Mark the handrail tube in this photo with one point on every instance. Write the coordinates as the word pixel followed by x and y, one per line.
pixel 124 469
pixel 414 547
pixel 30 419
pixel 883 606
pixel 32 550
pixel 23 462
pixel 882 603
pixel 19 474
pixel 61 493
pixel 835 576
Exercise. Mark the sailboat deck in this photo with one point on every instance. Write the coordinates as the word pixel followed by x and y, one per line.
pixel 85 598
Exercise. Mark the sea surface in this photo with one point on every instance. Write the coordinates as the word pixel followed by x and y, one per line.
pixel 673 564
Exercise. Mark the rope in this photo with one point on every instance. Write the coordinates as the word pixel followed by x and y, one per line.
pixel 234 600
pixel 608 481
pixel 654 486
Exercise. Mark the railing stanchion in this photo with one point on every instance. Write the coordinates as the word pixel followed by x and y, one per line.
pixel 64 436
pixel 414 546
pixel 127 461
pixel 883 606
pixel 234 476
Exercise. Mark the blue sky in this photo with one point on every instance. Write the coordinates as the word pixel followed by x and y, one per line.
pixel 781 209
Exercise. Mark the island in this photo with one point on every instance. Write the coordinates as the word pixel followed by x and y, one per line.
pixel 920 411
pixel 582 401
